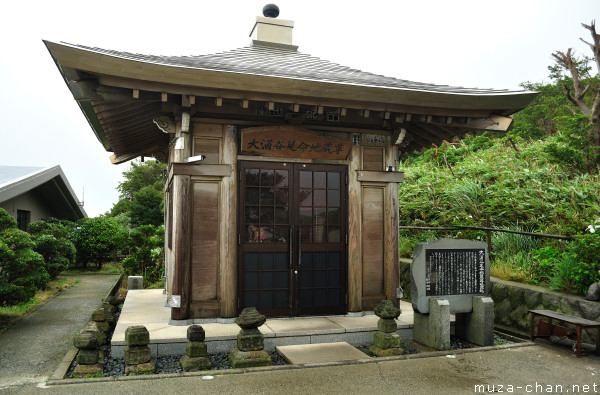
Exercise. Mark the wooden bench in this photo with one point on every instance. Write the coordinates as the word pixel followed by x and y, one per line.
pixel 547 328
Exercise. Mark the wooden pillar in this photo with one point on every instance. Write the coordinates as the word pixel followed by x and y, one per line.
pixel 228 227
pixel 354 233
pixel 391 279
pixel 181 227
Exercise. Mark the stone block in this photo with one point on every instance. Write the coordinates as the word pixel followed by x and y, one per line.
pixel 86 341
pixel 386 309
pixel 386 352
pixel 250 340
pixel 142 368
pixel 477 327
pixel 593 292
pixel 96 330
pixel 519 317
pixel 532 298
pixel 433 329
pixel 550 301
pixel 135 282
pixel 87 357
pixel 386 340
pixel 137 335
pixel 387 325
pixel 589 310
pixel 135 355
pixel 502 310
pixel 515 296
pixel 498 291
pixel 569 306
pixel 248 359
pixel 88 370
pixel 113 300
pixel 195 349
pixel 199 363
pixel 195 333
pixel 98 315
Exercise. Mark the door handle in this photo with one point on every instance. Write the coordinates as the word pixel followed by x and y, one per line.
pixel 299 246
pixel 290 246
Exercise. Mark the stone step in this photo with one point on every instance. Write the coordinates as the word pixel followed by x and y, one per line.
pixel 320 353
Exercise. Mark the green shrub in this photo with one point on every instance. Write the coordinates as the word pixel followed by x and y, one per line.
pixel 52 239
pixel 96 240
pixel 23 270
pixel 146 253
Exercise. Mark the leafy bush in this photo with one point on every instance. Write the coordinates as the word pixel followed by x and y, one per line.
pixel 52 239
pixel 146 250
pixel 22 270
pixel 96 240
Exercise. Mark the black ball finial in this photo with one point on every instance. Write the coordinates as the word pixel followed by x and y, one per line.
pixel 271 11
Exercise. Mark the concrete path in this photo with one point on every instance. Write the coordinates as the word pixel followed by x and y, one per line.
pixel 31 350
pixel 518 370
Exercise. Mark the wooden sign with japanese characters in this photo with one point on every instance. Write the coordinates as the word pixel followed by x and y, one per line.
pixel 293 142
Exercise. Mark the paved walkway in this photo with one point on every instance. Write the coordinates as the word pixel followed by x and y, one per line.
pixel 31 350
pixel 517 370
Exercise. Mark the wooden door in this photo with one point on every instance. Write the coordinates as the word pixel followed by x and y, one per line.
pixel 292 220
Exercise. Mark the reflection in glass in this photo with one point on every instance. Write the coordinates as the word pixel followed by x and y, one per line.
pixel 333 180
pixel 333 216
pixel 281 197
pixel 281 178
pixel 267 177
pixel 305 179
pixel 266 196
pixel 320 197
pixel 333 198
pixel 333 234
pixel 266 215
pixel 305 215
pixel 251 176
pixel 281 215
pixel 251 195
pixel 305 197
pixel 320 180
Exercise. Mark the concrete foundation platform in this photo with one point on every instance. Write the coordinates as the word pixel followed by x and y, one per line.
pixel 320 353
pixel 147 307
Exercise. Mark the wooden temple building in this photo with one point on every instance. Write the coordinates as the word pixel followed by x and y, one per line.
pixel 282 185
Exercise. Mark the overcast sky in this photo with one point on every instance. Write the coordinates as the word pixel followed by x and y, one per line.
pixel 479 43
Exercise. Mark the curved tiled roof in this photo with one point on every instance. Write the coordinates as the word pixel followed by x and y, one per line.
pixel 286 63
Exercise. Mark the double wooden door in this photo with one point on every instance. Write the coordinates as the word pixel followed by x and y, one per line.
pixel 292 231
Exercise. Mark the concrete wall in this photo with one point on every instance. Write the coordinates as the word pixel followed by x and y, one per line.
pixel 512 301
pixel 29 202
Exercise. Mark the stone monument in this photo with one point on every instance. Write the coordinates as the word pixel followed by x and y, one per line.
pixel 250 341
pixel 195 350
pixel 87 356
pixel 386 341
pixel 451 276
pixel 138 357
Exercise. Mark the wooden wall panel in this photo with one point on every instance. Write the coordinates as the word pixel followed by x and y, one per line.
pixel 205 240
pixel 372 158
pixel 210 147
pixel 373 240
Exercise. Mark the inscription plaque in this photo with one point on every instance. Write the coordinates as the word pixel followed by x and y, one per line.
pixel 450 269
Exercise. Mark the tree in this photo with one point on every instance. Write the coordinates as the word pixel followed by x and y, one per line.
pixel 96 239
pixel 582 89
pixel 141 194
pixel 22 270
pixel 53 240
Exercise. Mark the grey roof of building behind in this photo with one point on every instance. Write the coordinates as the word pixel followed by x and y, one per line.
pixel 50 182
pixel 9 174
pixel 286 63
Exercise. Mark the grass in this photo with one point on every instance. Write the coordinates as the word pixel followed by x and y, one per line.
pixel 10 314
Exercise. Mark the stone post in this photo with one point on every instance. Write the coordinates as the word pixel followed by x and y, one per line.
pixel 433 329
pixel 87 357
pixel 386 341
pixel 195 350
pixel 99 317
pixel 250 341
pixel 138 357
pixel 477 327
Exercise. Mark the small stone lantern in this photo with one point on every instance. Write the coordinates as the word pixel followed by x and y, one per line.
pixel 250 341
pixel 386 341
